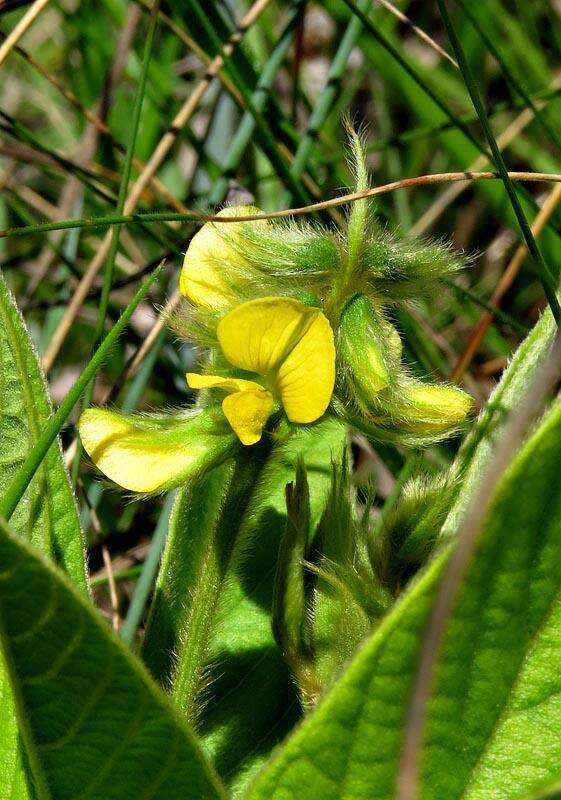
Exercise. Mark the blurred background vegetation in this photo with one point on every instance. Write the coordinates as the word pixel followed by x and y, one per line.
pixel 263 122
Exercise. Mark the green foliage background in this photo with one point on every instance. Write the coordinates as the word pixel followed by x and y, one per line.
pixel 190 695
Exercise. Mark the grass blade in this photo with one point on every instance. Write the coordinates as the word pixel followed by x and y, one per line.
pixel 20 483
pixel 544 273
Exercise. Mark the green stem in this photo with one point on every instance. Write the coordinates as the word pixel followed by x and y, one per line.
pixel 544 273
pixel 430 131
pixel 394 52
pixel 454 118
pixel 109 270
pixel 502 316
pixel 125 178
pixel 197 562
pixel 173 216
pixel 26 472
pixel 20 132
pixel 514 83
pixel 149 569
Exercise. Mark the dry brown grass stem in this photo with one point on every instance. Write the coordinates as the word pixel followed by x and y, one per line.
pixel 419 32
pixel 192 45
pixel 505 282
pixel 99 124
pixel 514 129
pixel 21 28
pixel 112 584
pixel 432 179
pixel 192 215
pixel 154 163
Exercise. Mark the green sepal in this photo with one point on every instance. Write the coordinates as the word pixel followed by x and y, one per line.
pixel 348 598
pixel 291 595
pixel 400 269
pixel 370 349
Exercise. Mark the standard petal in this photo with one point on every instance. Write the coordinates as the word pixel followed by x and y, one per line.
pixel 259 335
pixel 148 454
pixel 306 378
pixel 203 278
pixel 230 385
pixel 247 412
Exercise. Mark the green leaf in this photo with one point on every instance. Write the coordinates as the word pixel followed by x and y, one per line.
pixel 213 602
pixel 95 726
pixel 494 715
pixel 47 514
pixel 47 437
pixel 551 791
pixel 479 446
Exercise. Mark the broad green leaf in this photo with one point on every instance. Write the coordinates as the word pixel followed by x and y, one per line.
pixel 47 514
pixel 478 447
pixel 494 716
pixel 13 780
pixel 212 608
pixel 95 725
pixel 550 791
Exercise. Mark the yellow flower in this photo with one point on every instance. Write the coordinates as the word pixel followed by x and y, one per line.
pixel 147 453
pixel 210 256
pixel 290 347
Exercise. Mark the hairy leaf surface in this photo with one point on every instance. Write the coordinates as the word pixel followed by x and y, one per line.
pixel 478 447
pixel 212 612
pixel 47 513
pixel 494 716
pixel 94 723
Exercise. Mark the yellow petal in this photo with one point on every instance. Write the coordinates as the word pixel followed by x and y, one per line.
pixel 257 336
pixel 202 278
pixel 144 454
pixel 247 412
pixel 306 377
pixel 230 385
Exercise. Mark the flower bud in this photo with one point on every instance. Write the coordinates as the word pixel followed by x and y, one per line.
pixel 370 347
pixel 214 255
pixel 427 408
